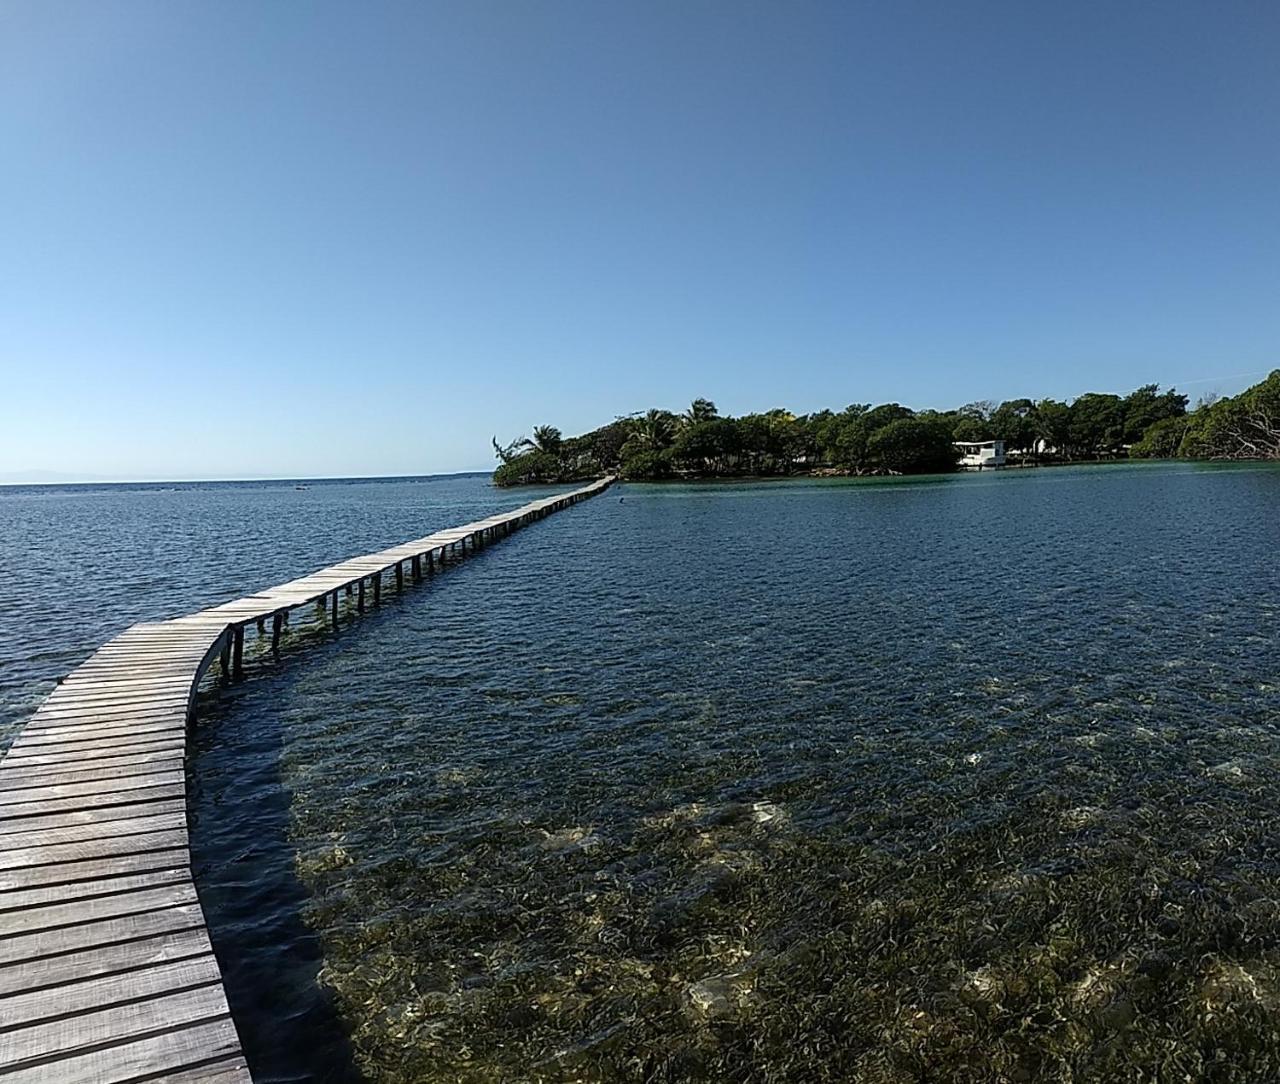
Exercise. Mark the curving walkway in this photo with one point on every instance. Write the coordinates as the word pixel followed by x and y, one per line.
pixel 106 970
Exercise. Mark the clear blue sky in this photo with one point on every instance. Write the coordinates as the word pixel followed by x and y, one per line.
pixel 242 239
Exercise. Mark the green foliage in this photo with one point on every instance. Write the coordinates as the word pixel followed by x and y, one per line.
pixel 647 464
pixel 1014 422
pixel 1244 427
pixel 708 446
pixel 700 410
pixel 528 469
pixel 914 446
pixel 890 437
pixel 968 428
pixel 1095 425
pixel 1146 407
pixel 1161 440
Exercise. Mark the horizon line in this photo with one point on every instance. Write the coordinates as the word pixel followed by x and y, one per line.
pixel 90 481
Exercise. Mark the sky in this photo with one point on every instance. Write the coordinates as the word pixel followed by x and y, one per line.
pixel 325 239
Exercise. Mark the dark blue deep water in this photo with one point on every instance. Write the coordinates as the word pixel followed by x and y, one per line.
pixel 968 778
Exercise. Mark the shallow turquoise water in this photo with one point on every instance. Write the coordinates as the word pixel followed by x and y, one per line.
pixel 967 778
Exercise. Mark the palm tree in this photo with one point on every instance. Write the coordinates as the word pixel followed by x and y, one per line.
pixel 655 430
pixel 700 410
pixel 546 438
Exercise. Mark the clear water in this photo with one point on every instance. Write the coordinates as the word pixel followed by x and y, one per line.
pixel 970 778
pixel 78 564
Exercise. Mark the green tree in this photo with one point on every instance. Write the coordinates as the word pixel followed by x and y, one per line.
pixel 546 438
pixel 914 446
pixel 700 410
pixel 970 428
pixel 708 447
pixel 1244 427
pixel 1053 425
pixel 528 469
pixel 1096 425
pixel 1145 406
pixel 1161 440
pixel 1014 422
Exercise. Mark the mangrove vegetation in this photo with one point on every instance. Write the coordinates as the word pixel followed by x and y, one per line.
pixel 862 439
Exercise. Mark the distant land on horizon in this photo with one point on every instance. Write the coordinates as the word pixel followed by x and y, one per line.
pixel 38 476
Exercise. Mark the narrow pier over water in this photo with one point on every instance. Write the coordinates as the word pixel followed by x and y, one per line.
pixel 107 973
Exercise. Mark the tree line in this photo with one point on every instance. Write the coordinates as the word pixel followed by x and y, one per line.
pixel 894 439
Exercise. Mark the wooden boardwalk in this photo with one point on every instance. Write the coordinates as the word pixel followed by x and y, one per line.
pixel 106 970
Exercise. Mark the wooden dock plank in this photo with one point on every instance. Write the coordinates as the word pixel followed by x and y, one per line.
pixel 123 954
pixel 47 947
pixel 94 908
pixel 162 1015
pixel 45 854
pixel 21 899
pixel 44 806
pixel 171 1053
pixel 106 971
pixel 104 990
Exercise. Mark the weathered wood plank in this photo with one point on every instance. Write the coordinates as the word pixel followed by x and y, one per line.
pixel 147 824
pixel 74 912
pixel 97 731
pixel 106 973
pixel 72 755
pixel 106 886
pixel 151 1058
pixel 103 815
pixel 38 807
pixel 44 854
pixel 80 790
pixel 47 763
pixel 31 947
pixel 158 1015
pixel 74 998
pixel 93 869
pixel 51 774
pixel 229 1071
pixel 160 946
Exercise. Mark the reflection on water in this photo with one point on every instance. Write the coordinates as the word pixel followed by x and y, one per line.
pixel 963 779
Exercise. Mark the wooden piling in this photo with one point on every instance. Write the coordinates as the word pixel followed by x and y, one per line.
pixel 99 870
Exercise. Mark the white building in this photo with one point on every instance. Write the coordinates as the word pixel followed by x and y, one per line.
pixel 979 454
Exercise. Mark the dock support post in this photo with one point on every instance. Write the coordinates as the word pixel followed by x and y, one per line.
pixel 417 569
pixel 360 596
pixel 224 659
pixel 277 623
pixel 399 577
pixel 377 588
pixel 237 652
pixel 262 627
pixel 333 609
